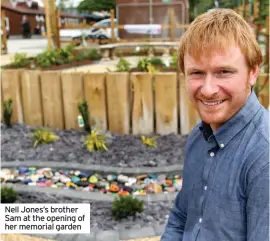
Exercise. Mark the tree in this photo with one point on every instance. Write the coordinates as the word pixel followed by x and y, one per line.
pixel 62 5
pixel 96 5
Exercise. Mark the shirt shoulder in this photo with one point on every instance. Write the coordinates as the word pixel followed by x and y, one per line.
pixel 193 136
pixel 261 124
pixel 257 145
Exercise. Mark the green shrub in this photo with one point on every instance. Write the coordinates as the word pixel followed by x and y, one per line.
pixel 92 54
pixel 156 61
pixel 83 109
pixel 20 60
pixel 95 142
pixel 125 206
pixel 8 110
pixel 123 65
pixel 80 56
pixel 43 136
pixel 146 65
pixel 66 54
pixel 47 58
pixel 8 195
pixel 149 141
pixel 143 63
pixel 174 60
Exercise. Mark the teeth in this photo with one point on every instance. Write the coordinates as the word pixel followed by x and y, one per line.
pixel 213 103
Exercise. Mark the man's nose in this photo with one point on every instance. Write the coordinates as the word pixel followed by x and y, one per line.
pixel 209 87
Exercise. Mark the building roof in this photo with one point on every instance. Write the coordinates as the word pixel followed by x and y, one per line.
pixel 24 9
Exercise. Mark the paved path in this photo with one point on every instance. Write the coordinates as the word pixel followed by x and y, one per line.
pixel 17 237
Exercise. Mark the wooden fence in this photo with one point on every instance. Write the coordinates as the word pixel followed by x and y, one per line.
pixel 138 103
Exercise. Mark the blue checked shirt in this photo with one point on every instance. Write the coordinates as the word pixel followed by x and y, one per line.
pixel 225 193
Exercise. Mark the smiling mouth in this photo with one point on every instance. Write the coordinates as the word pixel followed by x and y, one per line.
pixel 212 103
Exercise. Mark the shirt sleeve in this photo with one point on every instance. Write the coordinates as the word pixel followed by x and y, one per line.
pixel 257 208
pixel 177 219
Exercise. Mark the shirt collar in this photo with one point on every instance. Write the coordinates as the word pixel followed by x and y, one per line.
pixel 234 125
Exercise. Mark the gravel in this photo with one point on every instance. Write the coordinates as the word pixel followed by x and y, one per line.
pixel 155 213
pixel 123 150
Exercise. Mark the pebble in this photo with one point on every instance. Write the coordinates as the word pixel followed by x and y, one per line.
pixel 142 184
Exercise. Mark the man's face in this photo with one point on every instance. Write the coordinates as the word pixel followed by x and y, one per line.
pixel 219 86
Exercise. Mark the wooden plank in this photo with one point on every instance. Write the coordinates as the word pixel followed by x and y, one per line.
pixel 11 87
pixel 52 100
pixel 142 107
pixel 188 113
pixel 72 84
pixel 95 95
pixel 1 100
pixel 118 102
pixel 166 103
pixel 31 98
pixel 263 83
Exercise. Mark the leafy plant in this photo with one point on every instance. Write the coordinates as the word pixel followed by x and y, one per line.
pixel 174 60
pixel 80 56
pixel 93 54
pixel 95 142
pixel 20 60
pixel 8 110
pixel 125 206
pixel 146 65
pixel 123 65
pixel 83 109
pixel 66 53
pixel 43 136
pixel 149 141
pixel 47 58
pixel 8 195
pixel 152 69
pixel 156 61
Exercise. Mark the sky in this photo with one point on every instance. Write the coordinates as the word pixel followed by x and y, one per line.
pixel 74 2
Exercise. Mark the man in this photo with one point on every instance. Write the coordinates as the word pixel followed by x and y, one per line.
pixel 225 193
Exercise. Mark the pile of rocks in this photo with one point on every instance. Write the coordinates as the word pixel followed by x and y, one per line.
pixel 94 182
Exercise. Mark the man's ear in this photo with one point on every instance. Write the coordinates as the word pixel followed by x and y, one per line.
pixel 253 75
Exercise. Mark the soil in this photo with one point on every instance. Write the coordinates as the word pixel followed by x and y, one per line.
pixel 123 150
pixel 154 213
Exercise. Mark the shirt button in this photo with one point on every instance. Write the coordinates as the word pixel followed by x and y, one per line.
pixel 200 220
pixel 212 154
pixel 205 188
pixel 222 145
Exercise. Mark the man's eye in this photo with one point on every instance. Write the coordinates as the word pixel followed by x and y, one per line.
pixel 224 72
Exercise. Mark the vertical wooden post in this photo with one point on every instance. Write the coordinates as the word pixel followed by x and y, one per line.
pixel 50 23
pixel 172 25
pixel 57 15
pixel 112 25
pixel 267 46
pixel 4 33
pixel 244 9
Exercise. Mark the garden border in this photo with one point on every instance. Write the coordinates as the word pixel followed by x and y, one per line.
pixel 96 168
pixel 108 235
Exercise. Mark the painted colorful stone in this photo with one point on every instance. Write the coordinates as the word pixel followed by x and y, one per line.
pixel 122 178
pixel 93 179
pixel 114 188
pixel 23 170
pixel 111 178
pixel 75 179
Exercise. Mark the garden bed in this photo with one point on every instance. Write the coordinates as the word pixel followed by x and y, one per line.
pixel 55 59
pixel 155 213
pixel 123 150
